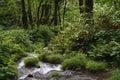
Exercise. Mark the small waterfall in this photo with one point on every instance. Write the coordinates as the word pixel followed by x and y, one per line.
pixel 45 71
pixel 44 68
pixel 47 67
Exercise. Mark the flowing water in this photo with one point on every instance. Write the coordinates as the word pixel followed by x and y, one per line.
pixel 46 69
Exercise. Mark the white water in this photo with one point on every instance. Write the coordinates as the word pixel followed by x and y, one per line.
pixel 21 64
pixel 44 68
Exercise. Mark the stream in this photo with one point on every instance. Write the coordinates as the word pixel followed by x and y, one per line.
pixel 45 71
pixel 23 72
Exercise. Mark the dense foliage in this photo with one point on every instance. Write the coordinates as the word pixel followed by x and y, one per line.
pixel 78 34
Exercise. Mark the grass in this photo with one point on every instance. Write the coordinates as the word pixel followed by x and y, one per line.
pixel 31 62
pixel 115 75
pixel 54 58
pixel 95 66
pixel 75 62
pixel 42 56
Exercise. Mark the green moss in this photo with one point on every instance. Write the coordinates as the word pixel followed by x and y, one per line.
pixel 37 65
pixel 30 75
pixel 95 66
pixel 55 74
pixel 31 62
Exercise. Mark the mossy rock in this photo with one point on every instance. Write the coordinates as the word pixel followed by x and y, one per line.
pixel 30 75
pixel 55 74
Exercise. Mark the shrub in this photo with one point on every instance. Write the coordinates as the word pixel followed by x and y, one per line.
pixel 11 48
pixel 10 52
pixel 22 39
pixel 30 48
pixel 115 75
pixel 8 73
pixel 62 41
pixel 106 16
pixel 39 48
pixel 19 37
pixel 42 34
pixel 31 62
pixel 1 27
pixel 108 52
pixel 95 66
pixel 74 62
pixel 43 56
pixel 70 54
pixel 54 58
pixel 55 74
pixel 40 51
pixel 8 68
pixel 16 49
pixel 72 38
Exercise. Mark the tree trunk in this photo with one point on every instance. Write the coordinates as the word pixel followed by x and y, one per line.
pixel 55 12
pixel 89 11
pixel 38 12
pixel 45 8
pixel 89 6
pixel 81 6
pixel 44 19
pixel 30 13
pixel 65 3
pixel 24 15
pixel 86 6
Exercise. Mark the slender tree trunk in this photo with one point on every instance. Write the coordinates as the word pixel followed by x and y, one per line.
pixel 86 6
pixel 55 12
pixel 44 19
pixel 38 12
pixel 65 3
pixel 59 14
pixel 89 11
pixel 81 6
pixel 30 13
pixel 24 15
pixel 89 7
pixel 45 12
